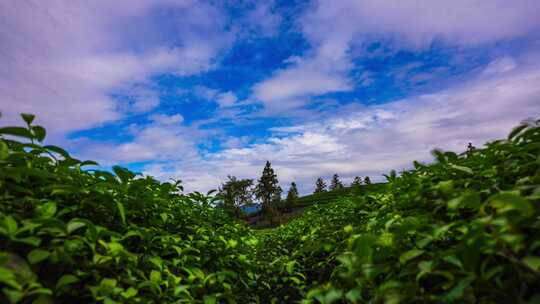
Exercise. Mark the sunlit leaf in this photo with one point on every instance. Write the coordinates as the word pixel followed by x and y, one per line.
pixel 37 255
pixel 409 255
pixel 505 202
pixel 66 280
pixel 121 211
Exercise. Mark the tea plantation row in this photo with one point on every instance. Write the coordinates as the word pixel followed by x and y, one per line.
pixel 463 229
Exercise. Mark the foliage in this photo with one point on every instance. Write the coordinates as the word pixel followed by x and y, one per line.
pixel 357 181
pixel 320 185
pixel 345 192
pixel 268 190
pixel 292 196
pixel 70 235
pixel 465 228
pixel 367 180
pixel 236 193
pixel 336 183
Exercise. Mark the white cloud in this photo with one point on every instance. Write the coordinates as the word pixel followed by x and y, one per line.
pixel 313 76
pixel 63 60
pixel 417 23
pixel 263 19
pixel 333 27
pixel 223 99
pixel 161 140
pixel 501 65
pixel 371 140
pixel 167 119
pixel 290 88
pixel 227 99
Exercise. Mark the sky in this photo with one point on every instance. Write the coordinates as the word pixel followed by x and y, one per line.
pixel 198 90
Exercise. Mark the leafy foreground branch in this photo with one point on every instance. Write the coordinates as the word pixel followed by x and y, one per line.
pixel 463 229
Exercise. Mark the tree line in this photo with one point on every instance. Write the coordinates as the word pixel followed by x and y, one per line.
pixel 236 193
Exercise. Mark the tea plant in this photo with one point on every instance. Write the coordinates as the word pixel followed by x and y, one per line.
pixel 463 229
pixel 73 235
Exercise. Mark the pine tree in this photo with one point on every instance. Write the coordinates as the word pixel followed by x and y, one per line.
pixel 320 185
pixel 367 180
pixel 357 181
pixel 335 183
pixel 292 195
pixel 268 190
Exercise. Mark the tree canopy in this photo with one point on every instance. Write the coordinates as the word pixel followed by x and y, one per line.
pixel 356 182
pixel 320 185
pixel 335 183
pixel 292 195
pixel 367 180
pixel 268 190
pixel 236 193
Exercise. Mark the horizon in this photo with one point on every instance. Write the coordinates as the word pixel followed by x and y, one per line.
pixel 197 91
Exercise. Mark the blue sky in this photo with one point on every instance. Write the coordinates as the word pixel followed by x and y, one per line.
pixel 197 90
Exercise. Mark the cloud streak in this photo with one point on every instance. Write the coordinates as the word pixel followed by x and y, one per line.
pixel 341 31
pixel 372 140
pixel 64 60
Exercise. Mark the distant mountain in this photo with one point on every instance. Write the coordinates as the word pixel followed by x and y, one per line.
pixel 251 208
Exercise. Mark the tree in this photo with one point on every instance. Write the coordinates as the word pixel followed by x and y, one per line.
pixel 292 195
pixel 357 181
pixel 236 193
pixel 320 185
pixel 268 190
pixel 335 183
pixel 367 180
pixel 470 150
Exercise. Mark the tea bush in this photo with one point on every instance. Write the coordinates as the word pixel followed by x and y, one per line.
pixel 72 235
pixel 463 229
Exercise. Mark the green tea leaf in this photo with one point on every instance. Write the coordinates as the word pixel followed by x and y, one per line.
pixel 409 255
pixel 129 293
pixel 121 211
pixel 462 169
pixel 155 276
pixel 48 209
pixel 31 240
pixel 505 202
pixel 459 289
pixel 16 131
pixel 39 133
pixel 532 262
pixel 57 150
pixel 66 280
pixel 209 299
pixel 290 267
pixel 28 118
pixel 11 225
pixel 37 255
pixel 74 225
pixel 4 150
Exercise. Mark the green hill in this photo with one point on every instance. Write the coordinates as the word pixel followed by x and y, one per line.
pixel 329 196
pixel 259 221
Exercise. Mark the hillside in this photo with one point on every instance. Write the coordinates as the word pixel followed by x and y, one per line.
pixel 465 229
pixel 329 196
pixel 259 221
